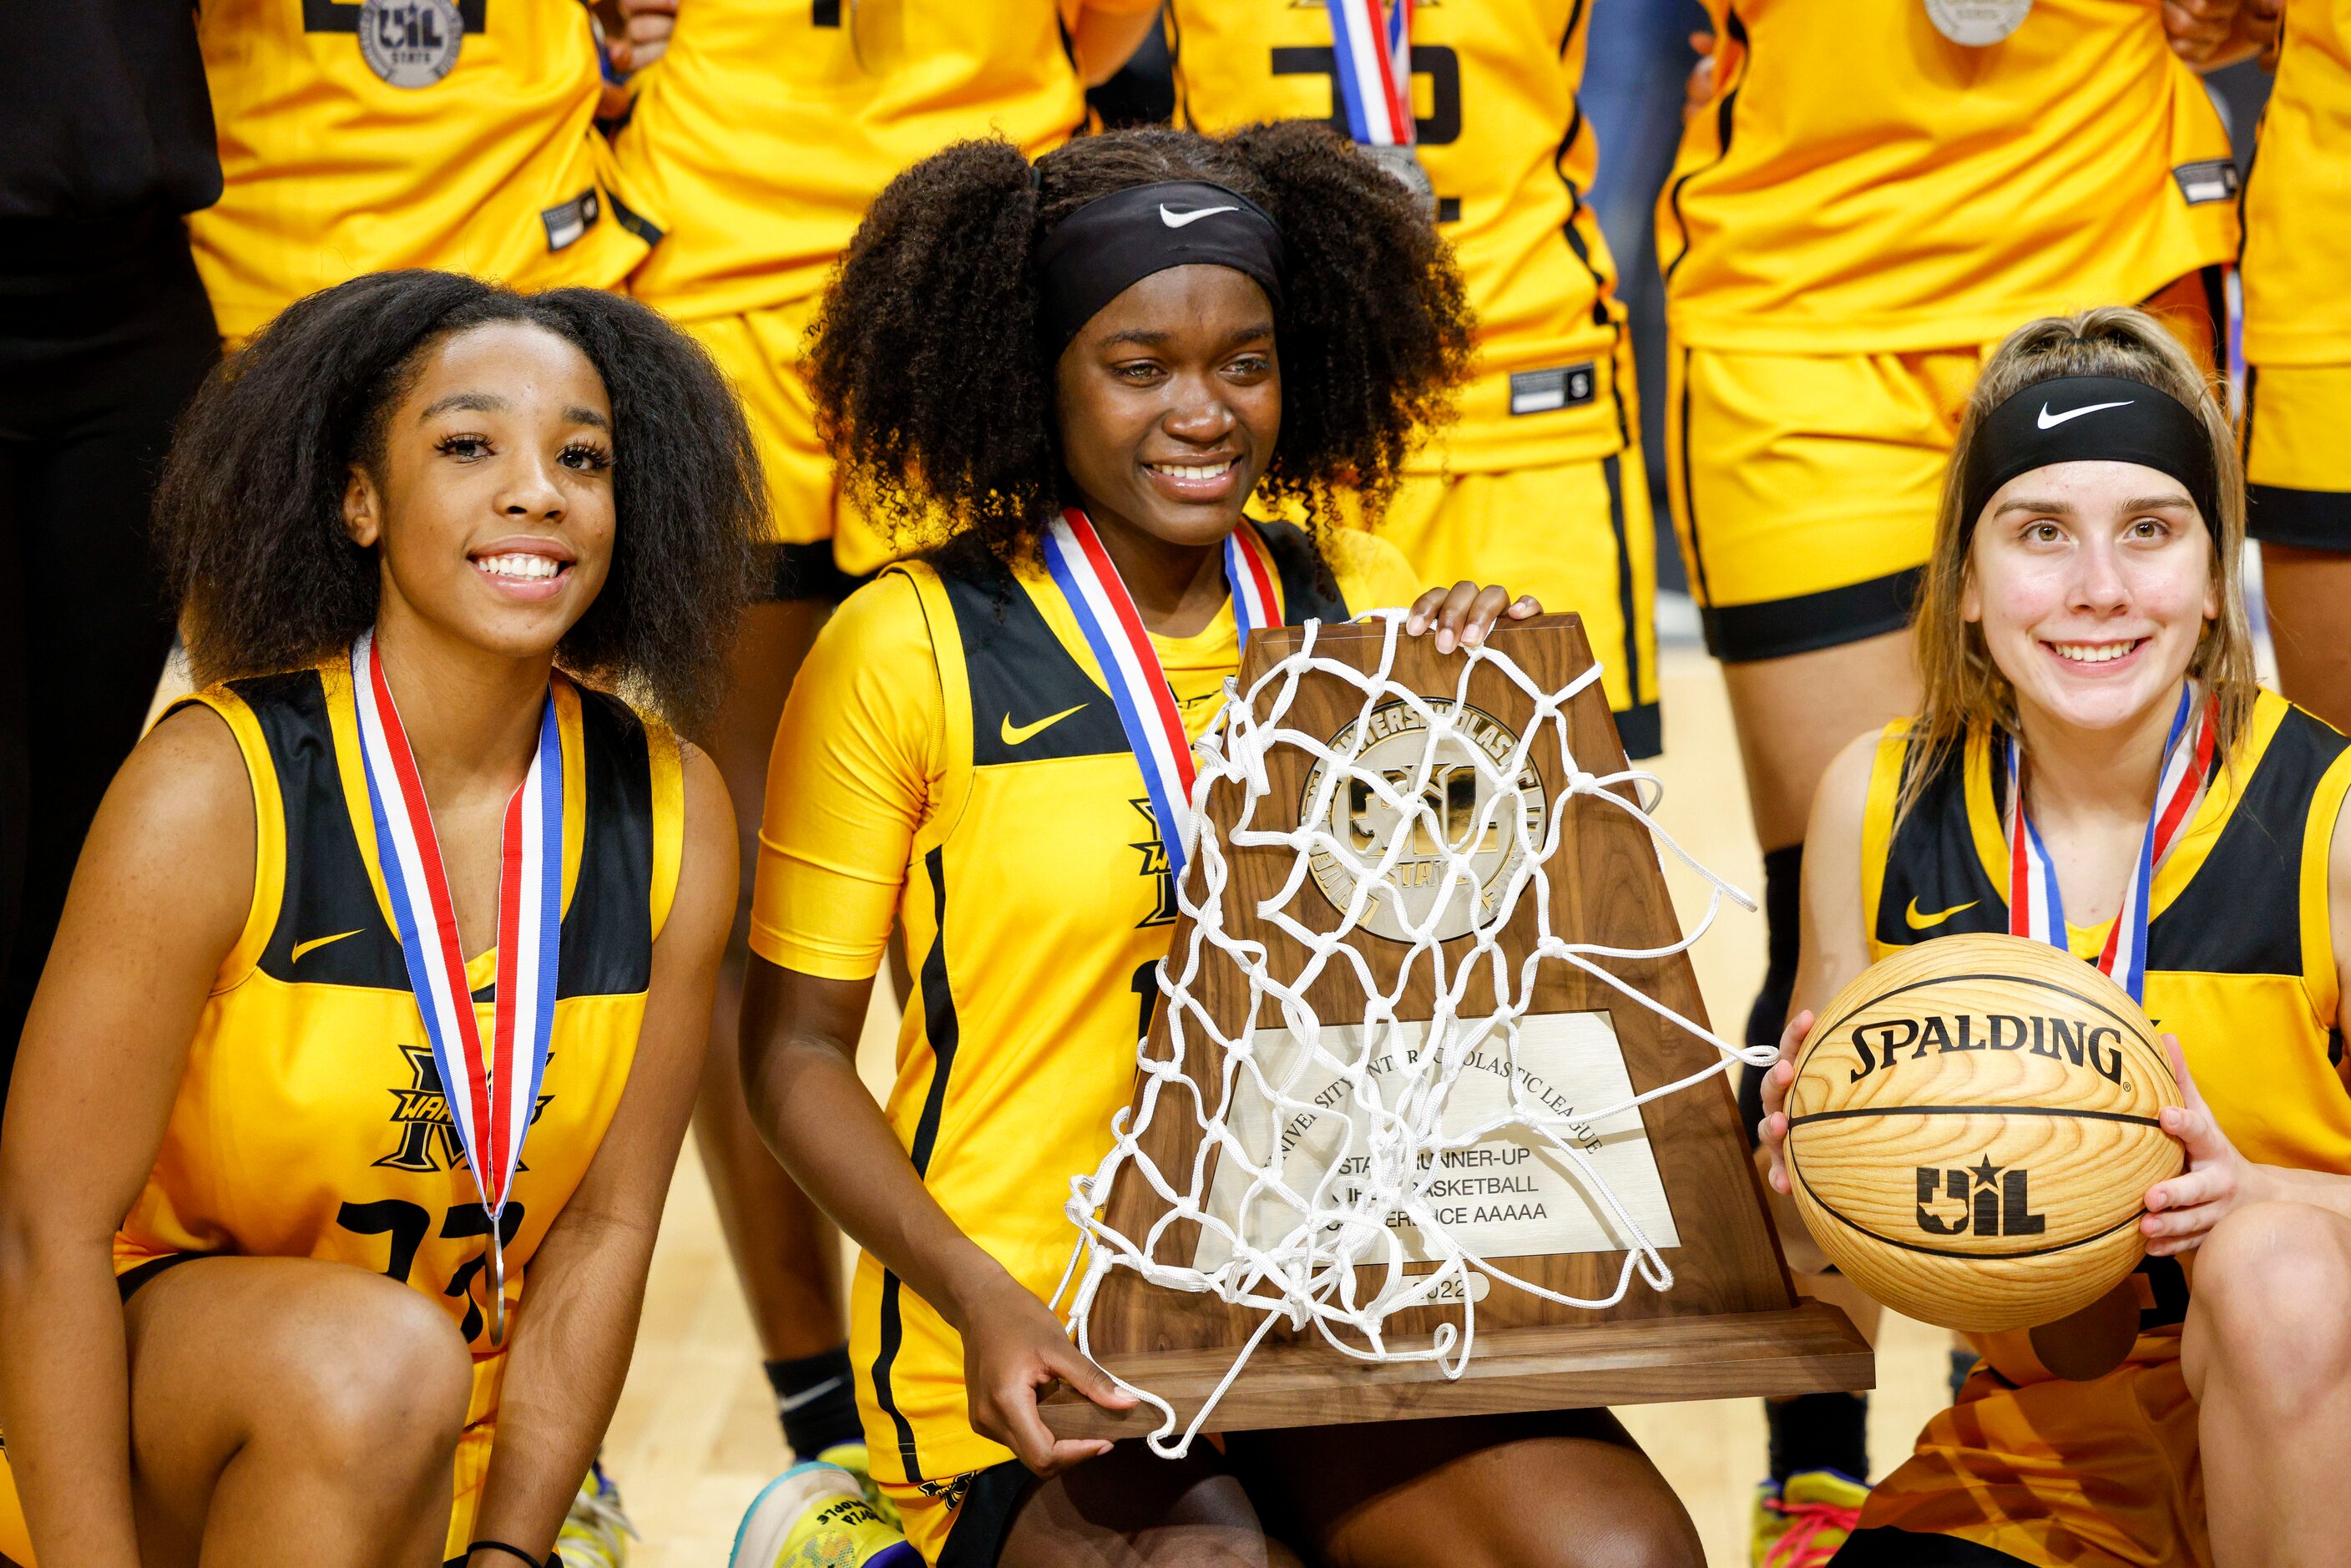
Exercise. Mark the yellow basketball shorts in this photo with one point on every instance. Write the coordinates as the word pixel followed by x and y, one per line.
pixel 1805 487
pixel 960 1522
pixel 2297 442
pixel 1578 536
pixel 826 546
pixel 2051 1474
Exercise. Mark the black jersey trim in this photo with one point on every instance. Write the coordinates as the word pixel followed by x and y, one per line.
pixel 1309 590
pixel 1612 469
pixel 2241 914
pixel 608 938
pixel 1018 672
pixel 1723 123
pixel 1888 1546
pixel 1742 633
pixel 2306 519
pixel 1681 459
pixel 943 1032
pixel 331 930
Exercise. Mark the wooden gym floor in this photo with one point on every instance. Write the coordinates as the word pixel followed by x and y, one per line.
pixel 695 1438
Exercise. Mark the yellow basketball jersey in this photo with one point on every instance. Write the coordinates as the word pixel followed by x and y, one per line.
pixel 310 1121
pixel 1510 154
pixel 2241 960
pixel 356 138
pixel 2297 253
pixel 770 126
pixel 1860 183
pixel 1036 901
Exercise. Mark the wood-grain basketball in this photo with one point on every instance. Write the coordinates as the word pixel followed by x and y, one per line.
pixel 1973 1128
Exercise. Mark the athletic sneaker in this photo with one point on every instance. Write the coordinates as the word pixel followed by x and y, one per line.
pixel 1801 1524
pixel 815 1515
pixel 595 1533
pixel 851 1457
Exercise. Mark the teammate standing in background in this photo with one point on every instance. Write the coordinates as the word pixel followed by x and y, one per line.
pixel 2297 266
pixel 1867 198
pixel 762 130
pixel 106 140
pixel 1539 482
pixel 456 134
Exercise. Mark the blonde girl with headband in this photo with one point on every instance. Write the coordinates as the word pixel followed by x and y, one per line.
pixel 2087 657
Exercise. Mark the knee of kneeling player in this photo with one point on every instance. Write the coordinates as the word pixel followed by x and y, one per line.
pixel 380 1376
pixel 2270 1285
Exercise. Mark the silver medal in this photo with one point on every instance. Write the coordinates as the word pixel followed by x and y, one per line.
pixel 1977 22
pixel 1405 164
pixel 411 42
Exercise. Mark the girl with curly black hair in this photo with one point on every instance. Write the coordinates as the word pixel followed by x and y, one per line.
pixel 349 1096
pixel 1079 374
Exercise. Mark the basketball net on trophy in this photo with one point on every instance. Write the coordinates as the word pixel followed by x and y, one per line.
pixel 1429 1120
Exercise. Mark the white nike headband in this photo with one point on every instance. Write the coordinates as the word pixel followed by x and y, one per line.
pixel 1114 242
pixel 2087 419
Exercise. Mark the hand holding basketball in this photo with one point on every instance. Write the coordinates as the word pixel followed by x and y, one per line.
pixel 2182 1211
pixel 1771 1132
pixel 1462 615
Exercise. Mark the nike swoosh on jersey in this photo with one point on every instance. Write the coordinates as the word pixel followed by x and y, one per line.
pixel 315 943
pixel 2051 421
pixel 1014 734
pixel 1176 220
pixel 1918 922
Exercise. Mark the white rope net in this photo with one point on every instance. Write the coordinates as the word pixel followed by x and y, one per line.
pixel 1328 1148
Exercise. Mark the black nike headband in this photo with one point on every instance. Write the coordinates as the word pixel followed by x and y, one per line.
pixel 1114 242
pixel 2088 419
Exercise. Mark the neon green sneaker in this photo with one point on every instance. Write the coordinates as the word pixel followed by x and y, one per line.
pixel 851 1457
pixel 1801 1524
pixel 815 1515
pixel 595 1533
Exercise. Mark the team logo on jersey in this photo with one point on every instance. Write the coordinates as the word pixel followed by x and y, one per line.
pixel 1154 850
pixel 411 42
pixel 1457 815
pixel 428 1138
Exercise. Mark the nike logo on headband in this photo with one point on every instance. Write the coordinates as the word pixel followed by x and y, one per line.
pixel 1176 220
pixel 2050 421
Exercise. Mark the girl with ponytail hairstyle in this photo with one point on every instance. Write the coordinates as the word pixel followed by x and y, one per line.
pixel 1093 365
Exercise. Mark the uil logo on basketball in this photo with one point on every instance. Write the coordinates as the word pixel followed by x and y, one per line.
pixel 1992 1201
pixel 411 43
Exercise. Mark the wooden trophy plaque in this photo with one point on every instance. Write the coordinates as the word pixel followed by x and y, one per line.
pixel 1731 1324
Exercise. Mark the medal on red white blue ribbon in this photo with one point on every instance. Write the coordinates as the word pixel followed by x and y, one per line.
pixel 2036 908
pixel 491 1087
pixel 1088 579
pixel 1370 56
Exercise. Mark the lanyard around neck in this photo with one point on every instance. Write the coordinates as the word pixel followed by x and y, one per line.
pixel 1082 569
pixel 2037 909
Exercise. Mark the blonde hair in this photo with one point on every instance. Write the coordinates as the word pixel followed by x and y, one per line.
pixel 1964 688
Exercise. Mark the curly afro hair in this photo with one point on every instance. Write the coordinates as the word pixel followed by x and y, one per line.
pixel 935 392
pixel 249 512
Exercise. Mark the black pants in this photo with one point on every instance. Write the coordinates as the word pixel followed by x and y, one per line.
pixel 104 333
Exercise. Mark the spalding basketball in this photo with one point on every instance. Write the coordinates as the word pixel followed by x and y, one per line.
pixel 1973 1128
